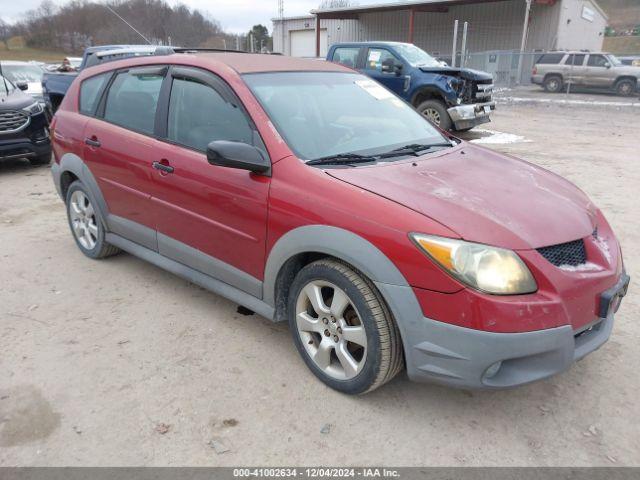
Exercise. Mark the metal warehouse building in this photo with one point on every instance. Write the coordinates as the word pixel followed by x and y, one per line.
pixel 493 25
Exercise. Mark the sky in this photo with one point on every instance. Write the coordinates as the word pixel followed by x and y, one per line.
pixel 236 16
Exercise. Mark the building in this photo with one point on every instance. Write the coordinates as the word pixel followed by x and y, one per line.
pixel 493 26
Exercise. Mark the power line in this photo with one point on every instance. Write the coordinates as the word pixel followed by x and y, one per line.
pixel 128 24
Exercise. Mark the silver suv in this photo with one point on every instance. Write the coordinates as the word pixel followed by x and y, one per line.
pixel 556 70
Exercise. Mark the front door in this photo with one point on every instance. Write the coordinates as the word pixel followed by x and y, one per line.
pixel 598 72
pixel 210 218
pixel 119 147
pixel 373 68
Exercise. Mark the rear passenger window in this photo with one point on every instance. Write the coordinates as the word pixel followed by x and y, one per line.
pixel 132 100
pixel 90 91
pixel 198 115
pixel 346 56
pixel 575 60
pixel 550 58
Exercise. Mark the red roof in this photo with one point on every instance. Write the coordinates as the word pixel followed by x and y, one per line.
pixel 252 63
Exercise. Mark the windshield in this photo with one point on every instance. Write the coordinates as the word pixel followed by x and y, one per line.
pixel 6 87
pixel 23 73
pixel 416 56
pixel 615 61
pixel 320 114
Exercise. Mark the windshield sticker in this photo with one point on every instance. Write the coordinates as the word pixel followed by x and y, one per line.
pixel 373 89
pixel 374 56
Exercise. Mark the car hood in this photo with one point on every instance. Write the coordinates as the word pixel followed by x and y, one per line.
pixel 466 73
pixel 483 196
pixel 15 100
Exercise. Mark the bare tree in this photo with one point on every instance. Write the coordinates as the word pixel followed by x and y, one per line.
pixel 5 33
pixel 337 4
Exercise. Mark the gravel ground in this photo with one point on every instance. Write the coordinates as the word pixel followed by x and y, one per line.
pixel 116 362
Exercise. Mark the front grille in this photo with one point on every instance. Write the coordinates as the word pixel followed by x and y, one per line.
pixel 570 253
pixel 13 120
pixel 483 91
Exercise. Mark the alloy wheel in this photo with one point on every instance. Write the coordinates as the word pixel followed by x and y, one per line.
pixel 432 114
pixel 83 220
pixel 331 330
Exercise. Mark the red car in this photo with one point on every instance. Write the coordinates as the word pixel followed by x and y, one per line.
pixel 306 192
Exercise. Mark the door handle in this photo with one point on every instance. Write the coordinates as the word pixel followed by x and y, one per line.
pixel 162 167
pixel 93 141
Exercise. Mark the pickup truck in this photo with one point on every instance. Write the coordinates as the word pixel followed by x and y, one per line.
pixel 451 98
pixel 56 84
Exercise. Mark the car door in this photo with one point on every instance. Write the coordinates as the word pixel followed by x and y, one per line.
pixel 210 218
pixel 598 71
pixel 120 146
pixel 574 70
pixel 375 58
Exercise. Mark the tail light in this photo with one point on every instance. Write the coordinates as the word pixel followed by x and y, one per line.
pixel 535 70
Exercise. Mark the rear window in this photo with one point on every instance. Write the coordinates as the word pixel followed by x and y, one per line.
pixel 90 91
pixel 133 99
pixel 550 58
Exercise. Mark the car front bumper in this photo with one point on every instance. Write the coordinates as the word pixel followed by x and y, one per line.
pixel 448 354
pixel 468 116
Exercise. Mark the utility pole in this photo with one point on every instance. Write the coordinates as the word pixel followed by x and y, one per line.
pixel 523 43
pixel 464 44
pixel 455 43
pixel 281 16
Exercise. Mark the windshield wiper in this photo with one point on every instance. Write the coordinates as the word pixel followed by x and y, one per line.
pixel 342 159
pixel 413 149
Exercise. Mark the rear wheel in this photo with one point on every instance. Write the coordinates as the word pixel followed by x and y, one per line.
pixel 436 112
pixel 86 224
pixel 626 87
pixel 553 83
pixel 342 328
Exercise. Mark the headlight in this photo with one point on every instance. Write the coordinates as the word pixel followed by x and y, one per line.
pixel 34 108
pixel 489 269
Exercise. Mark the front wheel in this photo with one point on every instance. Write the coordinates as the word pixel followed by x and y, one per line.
pixel 626 87
pixel 436 112
pixel 342 328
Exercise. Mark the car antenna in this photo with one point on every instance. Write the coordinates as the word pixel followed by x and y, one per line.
pixel 128 24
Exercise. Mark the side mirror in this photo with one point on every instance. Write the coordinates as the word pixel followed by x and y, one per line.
pixel 389 65
pixel 607 65
pixel 237 155
pixel 22 86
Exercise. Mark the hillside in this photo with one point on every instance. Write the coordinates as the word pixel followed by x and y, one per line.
pixel 623 14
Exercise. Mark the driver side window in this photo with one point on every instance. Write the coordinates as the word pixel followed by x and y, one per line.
pixel 597 61
pixel 377 56
pixel 198 115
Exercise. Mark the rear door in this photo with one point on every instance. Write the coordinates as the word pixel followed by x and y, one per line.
pixel 210 218
pixel 120 147
pixel 373 67
pixel 574 70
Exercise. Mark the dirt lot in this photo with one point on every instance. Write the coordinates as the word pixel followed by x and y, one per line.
pixel 116 362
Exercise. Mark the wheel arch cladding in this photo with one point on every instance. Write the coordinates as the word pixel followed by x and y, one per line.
pixel 304 244
pixel 73 167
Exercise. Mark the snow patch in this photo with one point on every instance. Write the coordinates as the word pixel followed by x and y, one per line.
pixel 583 267
pixel 494 137
pixel 604 248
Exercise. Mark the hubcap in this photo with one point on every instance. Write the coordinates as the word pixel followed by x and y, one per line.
pixel 83 220
pixel 625 88
pixel 331 330
pixel 432 114
pixel 553 85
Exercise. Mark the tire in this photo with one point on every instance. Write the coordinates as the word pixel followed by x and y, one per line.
pixel 86 223
pixel 41 159
pixel 359 317
pixel 462 130
pixel 626 87
pixel 436 112
pixel 553 84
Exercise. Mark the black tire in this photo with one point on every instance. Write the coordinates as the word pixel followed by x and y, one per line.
pixel 41 159
pixel 553 84
pixel 101 249
pixel 626 87
pixel 436 112
pixel 462 130
pixel 384 356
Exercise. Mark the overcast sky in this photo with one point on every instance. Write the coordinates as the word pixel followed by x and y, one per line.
pixel 234 15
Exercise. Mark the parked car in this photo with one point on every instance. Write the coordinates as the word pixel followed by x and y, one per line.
pixel 556 70
pixel 23 125
pixel 25 73
pixel 451 98
pixel 307 192
pixel 55 84
pixel 633 60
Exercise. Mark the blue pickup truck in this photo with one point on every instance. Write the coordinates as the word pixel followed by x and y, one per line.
pixel 56 84
pixel 452 98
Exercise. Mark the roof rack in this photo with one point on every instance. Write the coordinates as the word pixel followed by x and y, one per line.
pixel 223 50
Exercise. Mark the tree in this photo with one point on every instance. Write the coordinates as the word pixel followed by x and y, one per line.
pixel 337 4
pixel 5 33
pixel 261 38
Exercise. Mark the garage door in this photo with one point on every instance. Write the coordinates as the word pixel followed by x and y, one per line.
pixel 303 43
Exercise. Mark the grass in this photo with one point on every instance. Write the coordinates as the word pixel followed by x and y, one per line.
pixel 26 54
